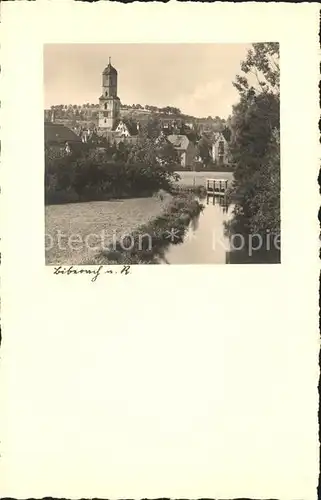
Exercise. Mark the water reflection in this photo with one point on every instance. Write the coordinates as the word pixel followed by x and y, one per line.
pixel 222 200
pixel 211 239
pixel 195 223
pixel 250 248
pixel 205 241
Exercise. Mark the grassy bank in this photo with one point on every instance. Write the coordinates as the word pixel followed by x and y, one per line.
pixel 149 242
pixel 75 232
pixel 198 191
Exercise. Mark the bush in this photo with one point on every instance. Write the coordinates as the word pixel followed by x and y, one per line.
pixel 91 175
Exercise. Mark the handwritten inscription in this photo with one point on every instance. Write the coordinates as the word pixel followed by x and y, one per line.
pixel 94 273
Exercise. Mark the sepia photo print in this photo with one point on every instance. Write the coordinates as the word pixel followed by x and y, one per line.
pixel 162 153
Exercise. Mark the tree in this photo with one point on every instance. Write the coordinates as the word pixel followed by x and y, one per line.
pixel 176 111
pixel 143 152
pixel 227 133
pixel 203 149
pixel 151 128
pixel 166 154
pixel 267 201
pixel 254 145
pixel 261 70
pixel 121 154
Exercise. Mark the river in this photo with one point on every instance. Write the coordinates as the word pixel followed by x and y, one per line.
pixel 207 240
pixel 204 241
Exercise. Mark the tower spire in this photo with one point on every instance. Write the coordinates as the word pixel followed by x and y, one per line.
pixel 109 60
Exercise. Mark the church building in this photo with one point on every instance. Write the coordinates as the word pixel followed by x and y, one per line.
pixel 109 102
pixel 110 122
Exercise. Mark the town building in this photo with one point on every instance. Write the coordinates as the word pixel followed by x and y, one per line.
pixel 220 149
pixel 185 148
pixel 126 128
pixel 61 138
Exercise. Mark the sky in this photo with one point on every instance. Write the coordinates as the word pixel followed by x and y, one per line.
pixel 196 78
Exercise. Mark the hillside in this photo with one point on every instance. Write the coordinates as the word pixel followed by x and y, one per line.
pixel 87 116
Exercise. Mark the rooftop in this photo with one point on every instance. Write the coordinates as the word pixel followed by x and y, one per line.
pixel 130 124
pixel 55 132
pixel 178 141
pixel 109 69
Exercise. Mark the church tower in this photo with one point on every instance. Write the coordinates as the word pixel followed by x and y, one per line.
pixel 109 103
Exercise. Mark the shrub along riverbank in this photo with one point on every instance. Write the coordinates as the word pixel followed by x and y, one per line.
pixel 148 243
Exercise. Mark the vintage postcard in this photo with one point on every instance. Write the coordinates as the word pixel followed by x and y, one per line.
pixel 183 136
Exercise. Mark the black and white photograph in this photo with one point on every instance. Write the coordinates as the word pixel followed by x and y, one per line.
pixel 183 135
pixel 162 153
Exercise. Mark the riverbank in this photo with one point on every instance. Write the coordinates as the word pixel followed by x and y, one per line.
pixel 149 242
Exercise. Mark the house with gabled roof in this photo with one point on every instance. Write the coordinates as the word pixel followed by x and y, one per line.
pixel 220 148
pixel 126 128
pixel 60 137
pixel 184 147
